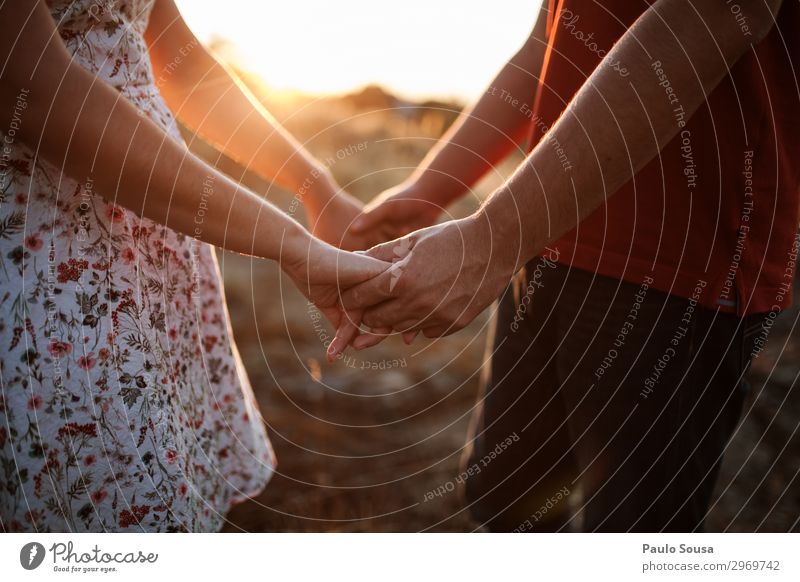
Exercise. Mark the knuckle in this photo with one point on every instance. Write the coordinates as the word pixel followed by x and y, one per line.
pixel 371 320
pixel 356 298
pixel 400 285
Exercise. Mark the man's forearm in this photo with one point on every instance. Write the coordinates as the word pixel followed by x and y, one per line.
pixel 615 125
pixel 488 131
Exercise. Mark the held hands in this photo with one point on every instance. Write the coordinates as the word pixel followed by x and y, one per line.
pixel 320 271
pixel 331 213
pixel 440 279
pixel 338 218
pixel 435 280
pixel 396 212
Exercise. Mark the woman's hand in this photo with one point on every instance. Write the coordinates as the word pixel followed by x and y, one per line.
pixel 331 212
pixel 441 278
pixel 321 271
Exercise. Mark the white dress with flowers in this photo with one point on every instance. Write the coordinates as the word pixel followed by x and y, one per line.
pixel 124 405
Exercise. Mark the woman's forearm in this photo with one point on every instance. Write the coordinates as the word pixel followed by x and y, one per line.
pixel 222 111
pixel 83 126
pixel 218 107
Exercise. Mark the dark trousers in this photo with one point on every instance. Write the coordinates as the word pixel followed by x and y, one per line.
pixel 613 389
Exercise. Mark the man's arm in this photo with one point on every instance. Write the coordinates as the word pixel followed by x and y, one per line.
pixel 217 106
pixel 616 125
pixel 481 137
pixel 612 128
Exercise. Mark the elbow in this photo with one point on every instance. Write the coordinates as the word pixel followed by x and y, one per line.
pixel 15 102
pixel 740 24
pixel 28 88
pixel 762 16
pixel 14 83
pixel 26 102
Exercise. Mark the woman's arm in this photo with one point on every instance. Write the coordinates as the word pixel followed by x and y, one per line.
pixel 83 126
pixel 207 98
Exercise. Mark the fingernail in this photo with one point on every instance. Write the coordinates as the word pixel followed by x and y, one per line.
pixel 332 351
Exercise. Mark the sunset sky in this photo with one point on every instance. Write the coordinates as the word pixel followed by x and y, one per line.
pixel 417 48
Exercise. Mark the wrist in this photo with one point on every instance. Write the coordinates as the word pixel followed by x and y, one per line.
pixel 295 250
pixel 319 186
pixel 435 187
pixel 503 231
pixel 488 259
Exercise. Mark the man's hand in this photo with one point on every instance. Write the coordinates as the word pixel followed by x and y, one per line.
pixel 441 278
pixel 330 216
pixel 396 212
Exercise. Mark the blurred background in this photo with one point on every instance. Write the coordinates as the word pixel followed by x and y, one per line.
pixel 362 441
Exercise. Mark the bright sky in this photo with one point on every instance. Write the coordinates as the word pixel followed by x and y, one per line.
pixel 417 48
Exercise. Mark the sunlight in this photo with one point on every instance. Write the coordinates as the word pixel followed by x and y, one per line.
pixel 318 46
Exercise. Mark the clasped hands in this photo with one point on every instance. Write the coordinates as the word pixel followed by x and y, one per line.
pixel 433 279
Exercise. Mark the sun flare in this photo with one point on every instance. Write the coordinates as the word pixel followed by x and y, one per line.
pixel 421 49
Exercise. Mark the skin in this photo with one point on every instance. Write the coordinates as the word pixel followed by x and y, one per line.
pixel 612 128
pixel 83 126
pixel 220 109
pixel 480 138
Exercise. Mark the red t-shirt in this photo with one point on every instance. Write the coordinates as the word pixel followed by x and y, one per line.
pixel 714 216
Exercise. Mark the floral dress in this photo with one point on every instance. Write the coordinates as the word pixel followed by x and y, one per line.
pixel 124 405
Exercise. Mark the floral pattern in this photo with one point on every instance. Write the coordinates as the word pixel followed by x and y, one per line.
pixel 124 405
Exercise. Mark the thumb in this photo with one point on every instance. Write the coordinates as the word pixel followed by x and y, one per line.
pixel 353 268
pixel 369 218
